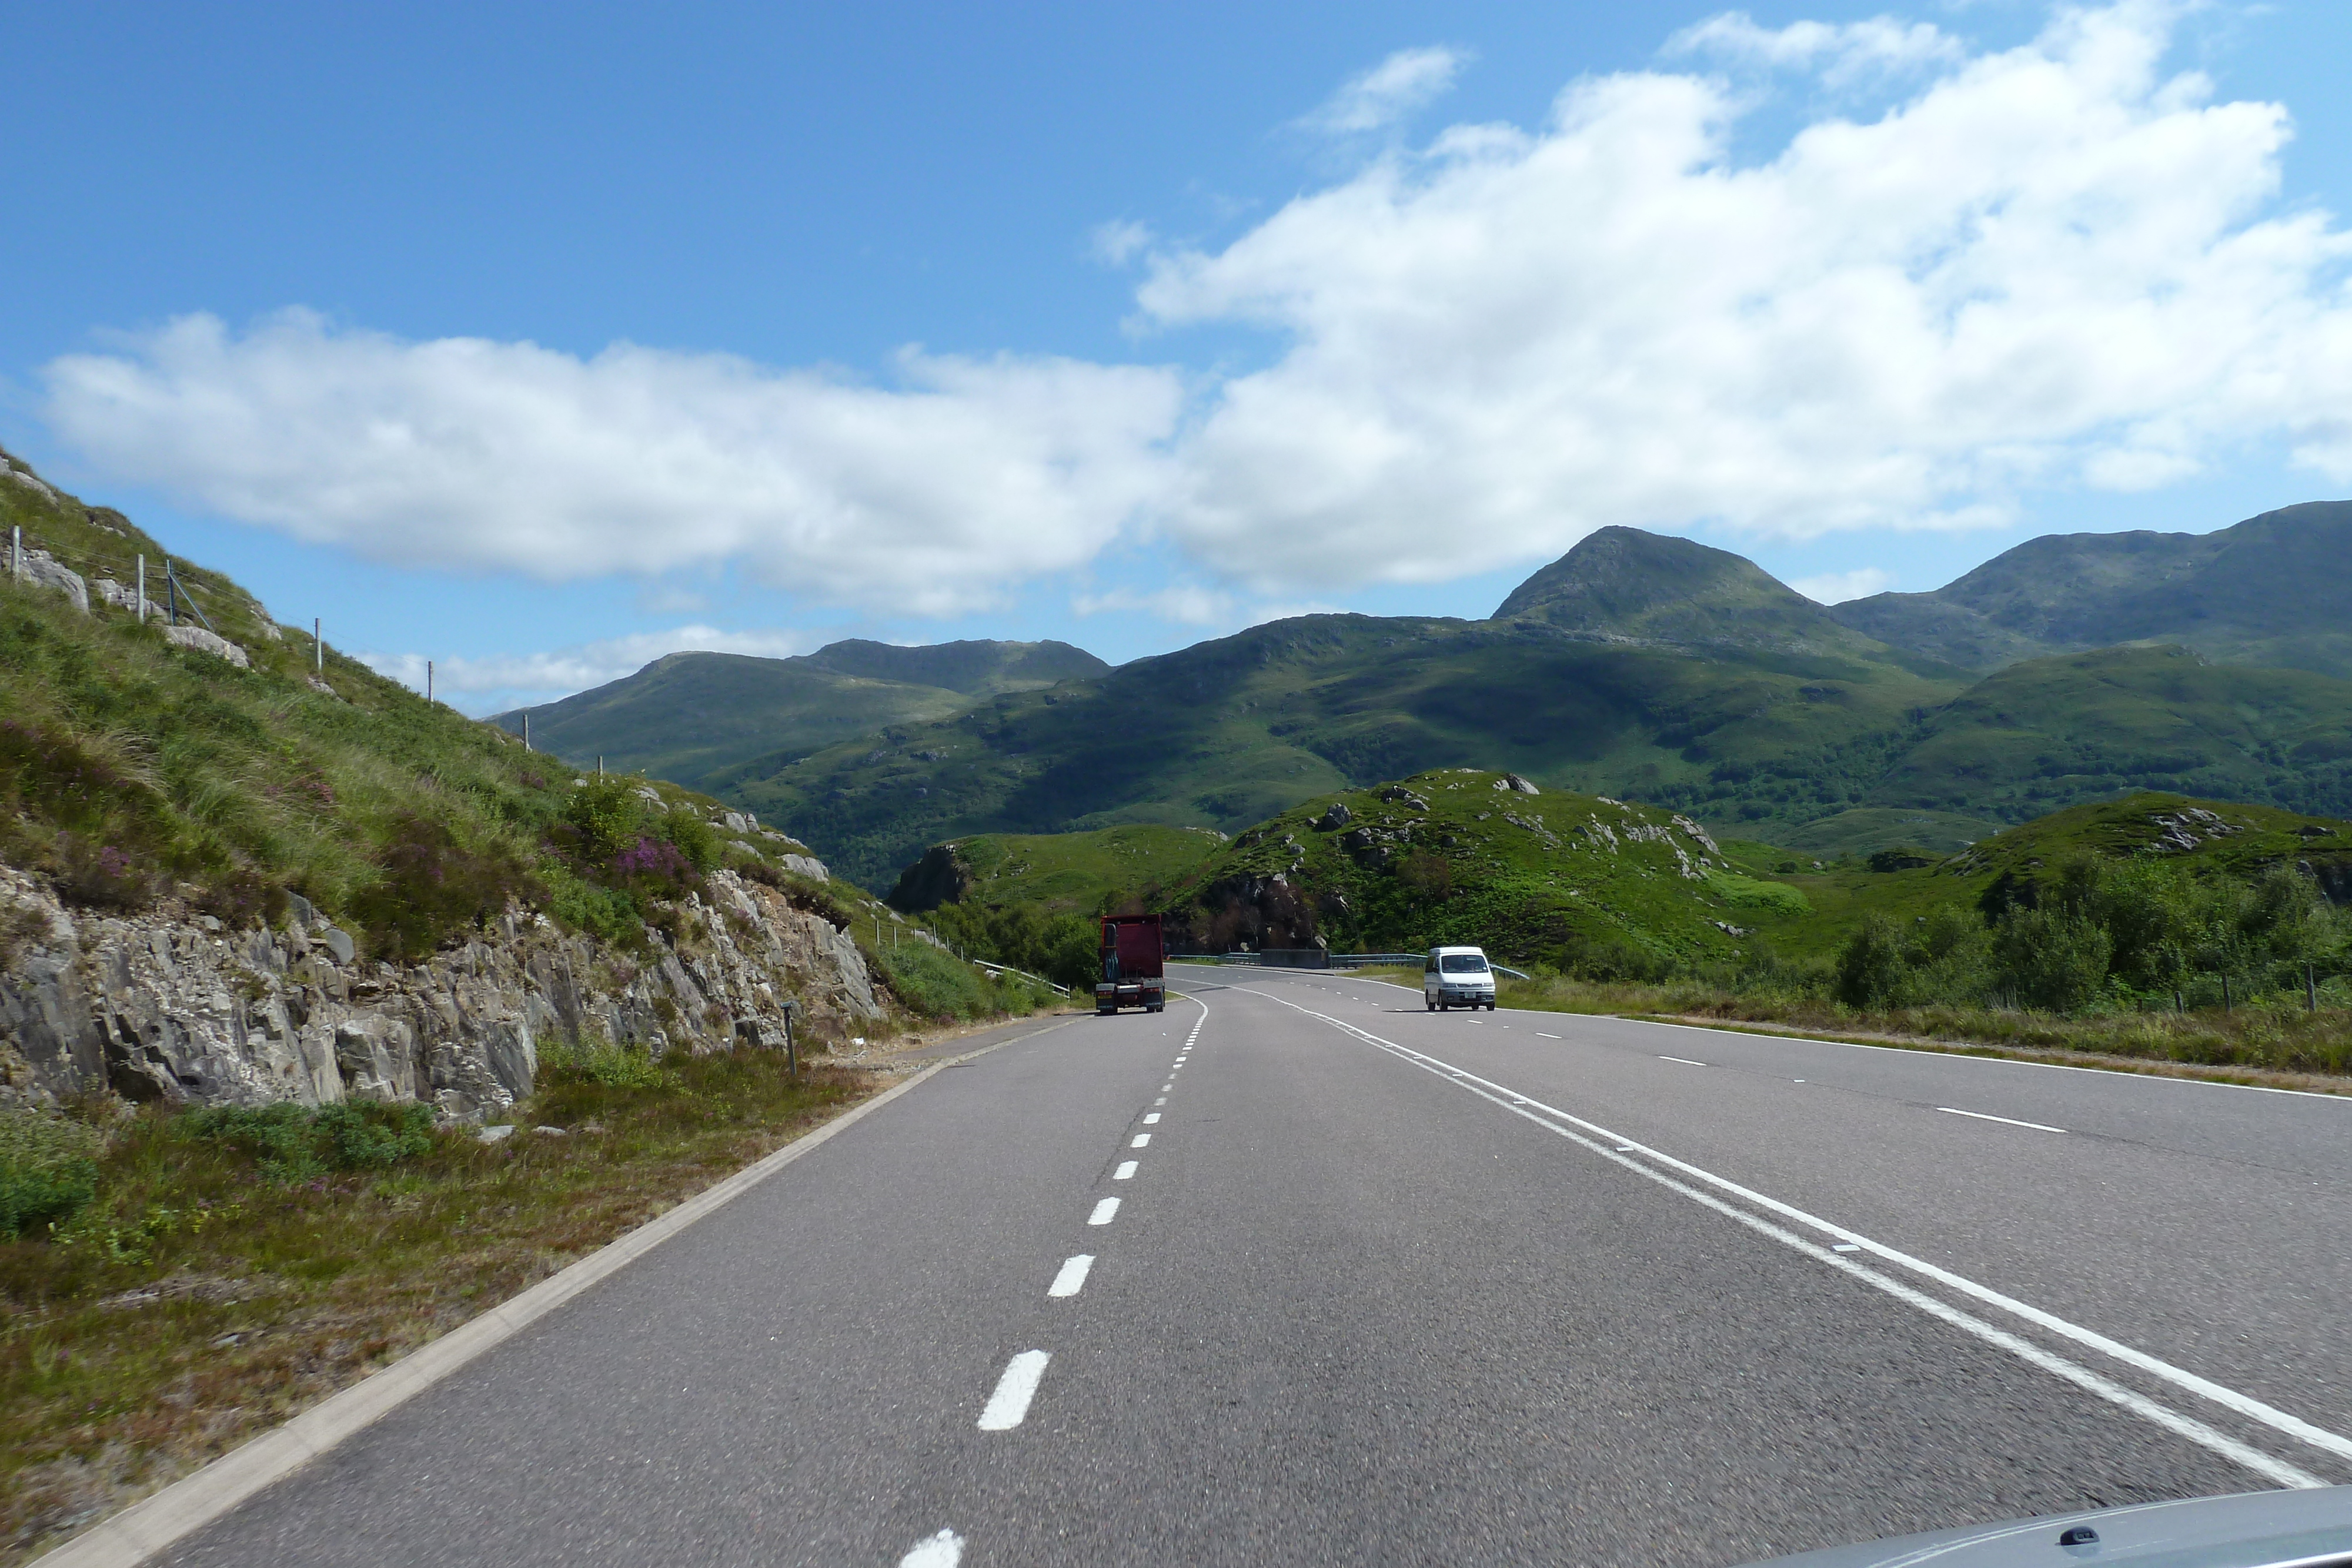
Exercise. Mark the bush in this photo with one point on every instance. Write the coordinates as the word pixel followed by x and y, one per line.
pixel 431 887
pixel 294 1143
pixel 615 1066
pixel 49 1169
pixel 1872 970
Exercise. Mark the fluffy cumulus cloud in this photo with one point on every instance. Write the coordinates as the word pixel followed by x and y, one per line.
pixel 573 669
pixel 2049 265
pixel 930 496
pixel 1979 275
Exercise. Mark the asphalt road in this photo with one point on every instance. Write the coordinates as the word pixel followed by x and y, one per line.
pixel 1384 1286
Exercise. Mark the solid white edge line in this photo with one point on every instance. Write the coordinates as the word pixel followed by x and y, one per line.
pixel 195 1500
pixel 1072 1276
pixel 1009 1406
pixel 1986 1116
pixel 1104 1212
pixel 2228 1398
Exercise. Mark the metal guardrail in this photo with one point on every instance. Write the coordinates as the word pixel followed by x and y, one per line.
pixel 1317 958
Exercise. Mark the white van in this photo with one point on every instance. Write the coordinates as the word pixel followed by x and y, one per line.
pixel 1458 976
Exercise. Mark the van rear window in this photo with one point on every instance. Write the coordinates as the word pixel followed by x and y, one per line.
pixel 1462 964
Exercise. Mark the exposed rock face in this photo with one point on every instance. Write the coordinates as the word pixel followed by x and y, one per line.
pixel 161 1006
pixel 42 570
pixel 203 641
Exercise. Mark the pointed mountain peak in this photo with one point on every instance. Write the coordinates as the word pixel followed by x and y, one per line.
pixel 1624 582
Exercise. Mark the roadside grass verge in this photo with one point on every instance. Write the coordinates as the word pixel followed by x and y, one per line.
pixel 2270 1037
pixel 2272 1043
pixel 232 1270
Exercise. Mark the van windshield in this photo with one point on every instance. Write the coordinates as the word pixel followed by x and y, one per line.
pixel 1462 964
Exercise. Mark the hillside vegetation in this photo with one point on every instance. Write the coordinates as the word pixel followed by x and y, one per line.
pixel 135 772
pixel 1645 668
pixel 686 716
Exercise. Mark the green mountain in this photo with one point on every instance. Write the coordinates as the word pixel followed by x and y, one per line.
pixel 2054 732
pixel 1231 731
pixel 2269 590
pixel 1061 873
pixel 689 715
pixel 1621 585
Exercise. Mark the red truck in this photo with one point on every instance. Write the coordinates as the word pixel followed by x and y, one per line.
pixel 1131 974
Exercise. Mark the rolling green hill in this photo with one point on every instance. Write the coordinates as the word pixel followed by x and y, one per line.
pixel 1061 873
pixel 2269 590
pixel 688 715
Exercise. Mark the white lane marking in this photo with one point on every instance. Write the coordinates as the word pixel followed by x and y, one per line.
pixel 1103 1212
pixel 944 1550
pixel 1171 1084
pixel 1126 1170
pixel 1845 1247
pixel 1010 1403
pixel 1142 1140
pixel 1686 1061
pixel 1541 1035
pixel 1161 1100
pixel 1981 1116
pixel 1073 1277
pixel 2228 1398
pixel 1149 1117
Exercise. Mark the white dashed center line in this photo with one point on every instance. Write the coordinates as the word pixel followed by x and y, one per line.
pixel 1686 1061
pixel 1149 1117
pixel 1010 1403
pixel 2008 1121
pixel 1104 1212
pixel 1541 1035
pixel 1161 1100
pixel 1126 1170
pixel 1142 1140
pixel 1073 1277
pixel 944 1550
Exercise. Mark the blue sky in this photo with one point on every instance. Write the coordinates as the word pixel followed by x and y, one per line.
pixel 538 340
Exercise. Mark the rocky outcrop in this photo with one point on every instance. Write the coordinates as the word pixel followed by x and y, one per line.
pixel 197 640
pixel 42 570
pixel 167 1004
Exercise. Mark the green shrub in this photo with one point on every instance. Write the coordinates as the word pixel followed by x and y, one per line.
pixel 49 1169
pixel 294 1143
pixel 614 1065
pixel 432 886
pixel 609 913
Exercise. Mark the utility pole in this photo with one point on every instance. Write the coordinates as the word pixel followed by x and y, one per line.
pixel 142 588
pixel 16 554
pixel 318 649
pixel 526 730
pixel 428 680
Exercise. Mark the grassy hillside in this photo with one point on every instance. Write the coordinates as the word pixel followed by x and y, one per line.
pixel 132 770
pixel 1060 873
pixel 2054 732
pixel 688 715
pixel 1226 733
pixel 1465 855
pixel 2269 590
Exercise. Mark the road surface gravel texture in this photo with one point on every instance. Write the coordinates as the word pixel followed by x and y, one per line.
pixel 1391 1287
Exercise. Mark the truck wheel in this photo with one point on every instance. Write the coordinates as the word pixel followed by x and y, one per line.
pixel 1430 1005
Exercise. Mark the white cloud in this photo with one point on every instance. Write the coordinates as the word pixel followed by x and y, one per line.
pixel 1837 587
pixel 2048 266
pixel 1388 92
pixel 1841 53
pixel 576 668
pixel 2051 266
pixel 1118 241
pixel 1190 604
pixel 507 457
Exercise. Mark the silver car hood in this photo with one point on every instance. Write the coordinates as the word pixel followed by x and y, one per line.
pixel 2252 1530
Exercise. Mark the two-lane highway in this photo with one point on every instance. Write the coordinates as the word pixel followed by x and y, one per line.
pixel 1296 1272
